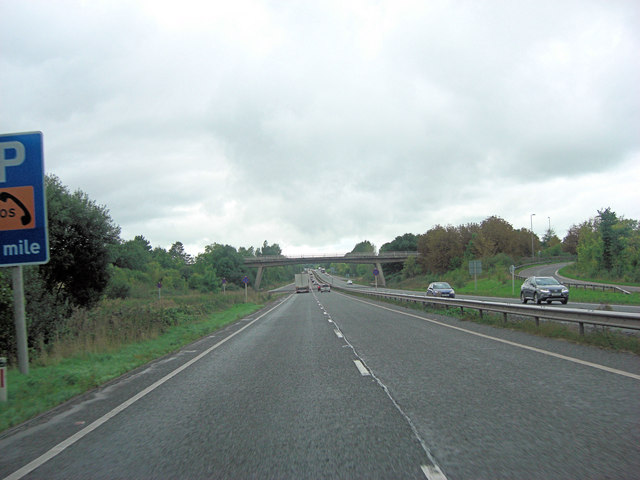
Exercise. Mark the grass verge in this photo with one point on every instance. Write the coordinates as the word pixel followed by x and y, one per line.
pixel 57 380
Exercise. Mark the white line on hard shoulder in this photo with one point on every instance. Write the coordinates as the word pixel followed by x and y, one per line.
pixel 338 333
pixel 508 342
pixel 45 457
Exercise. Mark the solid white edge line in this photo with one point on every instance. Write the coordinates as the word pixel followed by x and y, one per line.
pixel 338 334
pixel 432 472
pixel 513 344
pixel 361 368
pixel 45 457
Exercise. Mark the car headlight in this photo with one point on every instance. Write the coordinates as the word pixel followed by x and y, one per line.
pixel 565 290
pixel 544 290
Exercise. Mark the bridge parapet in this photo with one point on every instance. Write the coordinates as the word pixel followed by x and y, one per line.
pixel 265 261
pixel 358 257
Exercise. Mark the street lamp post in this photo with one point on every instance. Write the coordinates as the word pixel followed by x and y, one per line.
pixel 532 254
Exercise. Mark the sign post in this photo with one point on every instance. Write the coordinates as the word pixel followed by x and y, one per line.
pixel 224 286
pixel 3 379
pixel 245 280
pixel 512 269
pixel 23 219
pixel 475 267
pixel 375 275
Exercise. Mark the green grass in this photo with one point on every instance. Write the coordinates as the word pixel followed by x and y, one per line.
pixel 57 380
pixel 570 272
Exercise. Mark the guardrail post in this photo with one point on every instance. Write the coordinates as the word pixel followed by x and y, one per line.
pixel 480 314
pixel 581 327
pixel 537 319
pixel 504 317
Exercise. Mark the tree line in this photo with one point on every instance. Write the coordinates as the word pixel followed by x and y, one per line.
pixel 605 247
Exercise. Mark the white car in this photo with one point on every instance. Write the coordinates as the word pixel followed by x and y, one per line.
pixel 349 282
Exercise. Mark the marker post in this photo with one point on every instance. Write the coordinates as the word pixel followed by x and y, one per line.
pixel 3 379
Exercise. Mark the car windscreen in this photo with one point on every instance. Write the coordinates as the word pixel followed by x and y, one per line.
pixel 547 281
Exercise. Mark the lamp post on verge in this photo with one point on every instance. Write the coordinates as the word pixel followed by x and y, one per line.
pixel 531 217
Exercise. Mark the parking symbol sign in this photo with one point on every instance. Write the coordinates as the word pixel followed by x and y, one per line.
pixel 23 213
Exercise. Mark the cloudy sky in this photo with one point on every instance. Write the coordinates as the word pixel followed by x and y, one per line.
pixel 319 124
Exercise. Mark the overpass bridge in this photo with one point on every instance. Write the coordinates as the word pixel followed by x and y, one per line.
pixel 266 261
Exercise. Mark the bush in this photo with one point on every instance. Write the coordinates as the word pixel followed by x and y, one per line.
pixel 118 290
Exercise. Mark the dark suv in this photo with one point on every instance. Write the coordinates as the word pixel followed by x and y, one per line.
pixel 543 289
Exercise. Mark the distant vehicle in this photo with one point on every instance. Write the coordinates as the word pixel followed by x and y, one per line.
pixel 349 282
pixel 302 282
pixel 325 288
pixel 441 289
pixel 543 289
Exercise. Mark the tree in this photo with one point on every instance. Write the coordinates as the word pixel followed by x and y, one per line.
pixel 269 249
pixel 571 239
pixel 247 252
pixel 440 249
pixel 496 236
pixel 224 259
pixel 405 243
pixel 132 254
pixel 80 236
pixel 179 256
pixel 469 240
pixel 364 247
pixel 606 222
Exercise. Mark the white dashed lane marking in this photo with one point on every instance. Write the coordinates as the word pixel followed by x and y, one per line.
pixel 363 370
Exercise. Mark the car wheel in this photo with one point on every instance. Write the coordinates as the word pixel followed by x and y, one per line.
pixel 523 299
pixel 548 302
pixel 536 299
pixel 564 302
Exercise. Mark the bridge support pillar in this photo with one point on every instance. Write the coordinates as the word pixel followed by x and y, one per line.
pixel 383 283
pixel 258 278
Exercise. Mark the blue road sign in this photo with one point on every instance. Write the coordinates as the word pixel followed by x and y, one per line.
pixel 23 212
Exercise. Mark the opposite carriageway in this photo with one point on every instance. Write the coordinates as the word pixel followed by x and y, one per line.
pixel 266 261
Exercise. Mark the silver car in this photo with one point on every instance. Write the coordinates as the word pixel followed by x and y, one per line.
pixel 441 289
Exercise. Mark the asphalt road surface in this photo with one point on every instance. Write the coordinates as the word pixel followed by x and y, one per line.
pixel 330 386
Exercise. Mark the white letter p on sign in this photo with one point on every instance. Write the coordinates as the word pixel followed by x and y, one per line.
pixel 13 160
